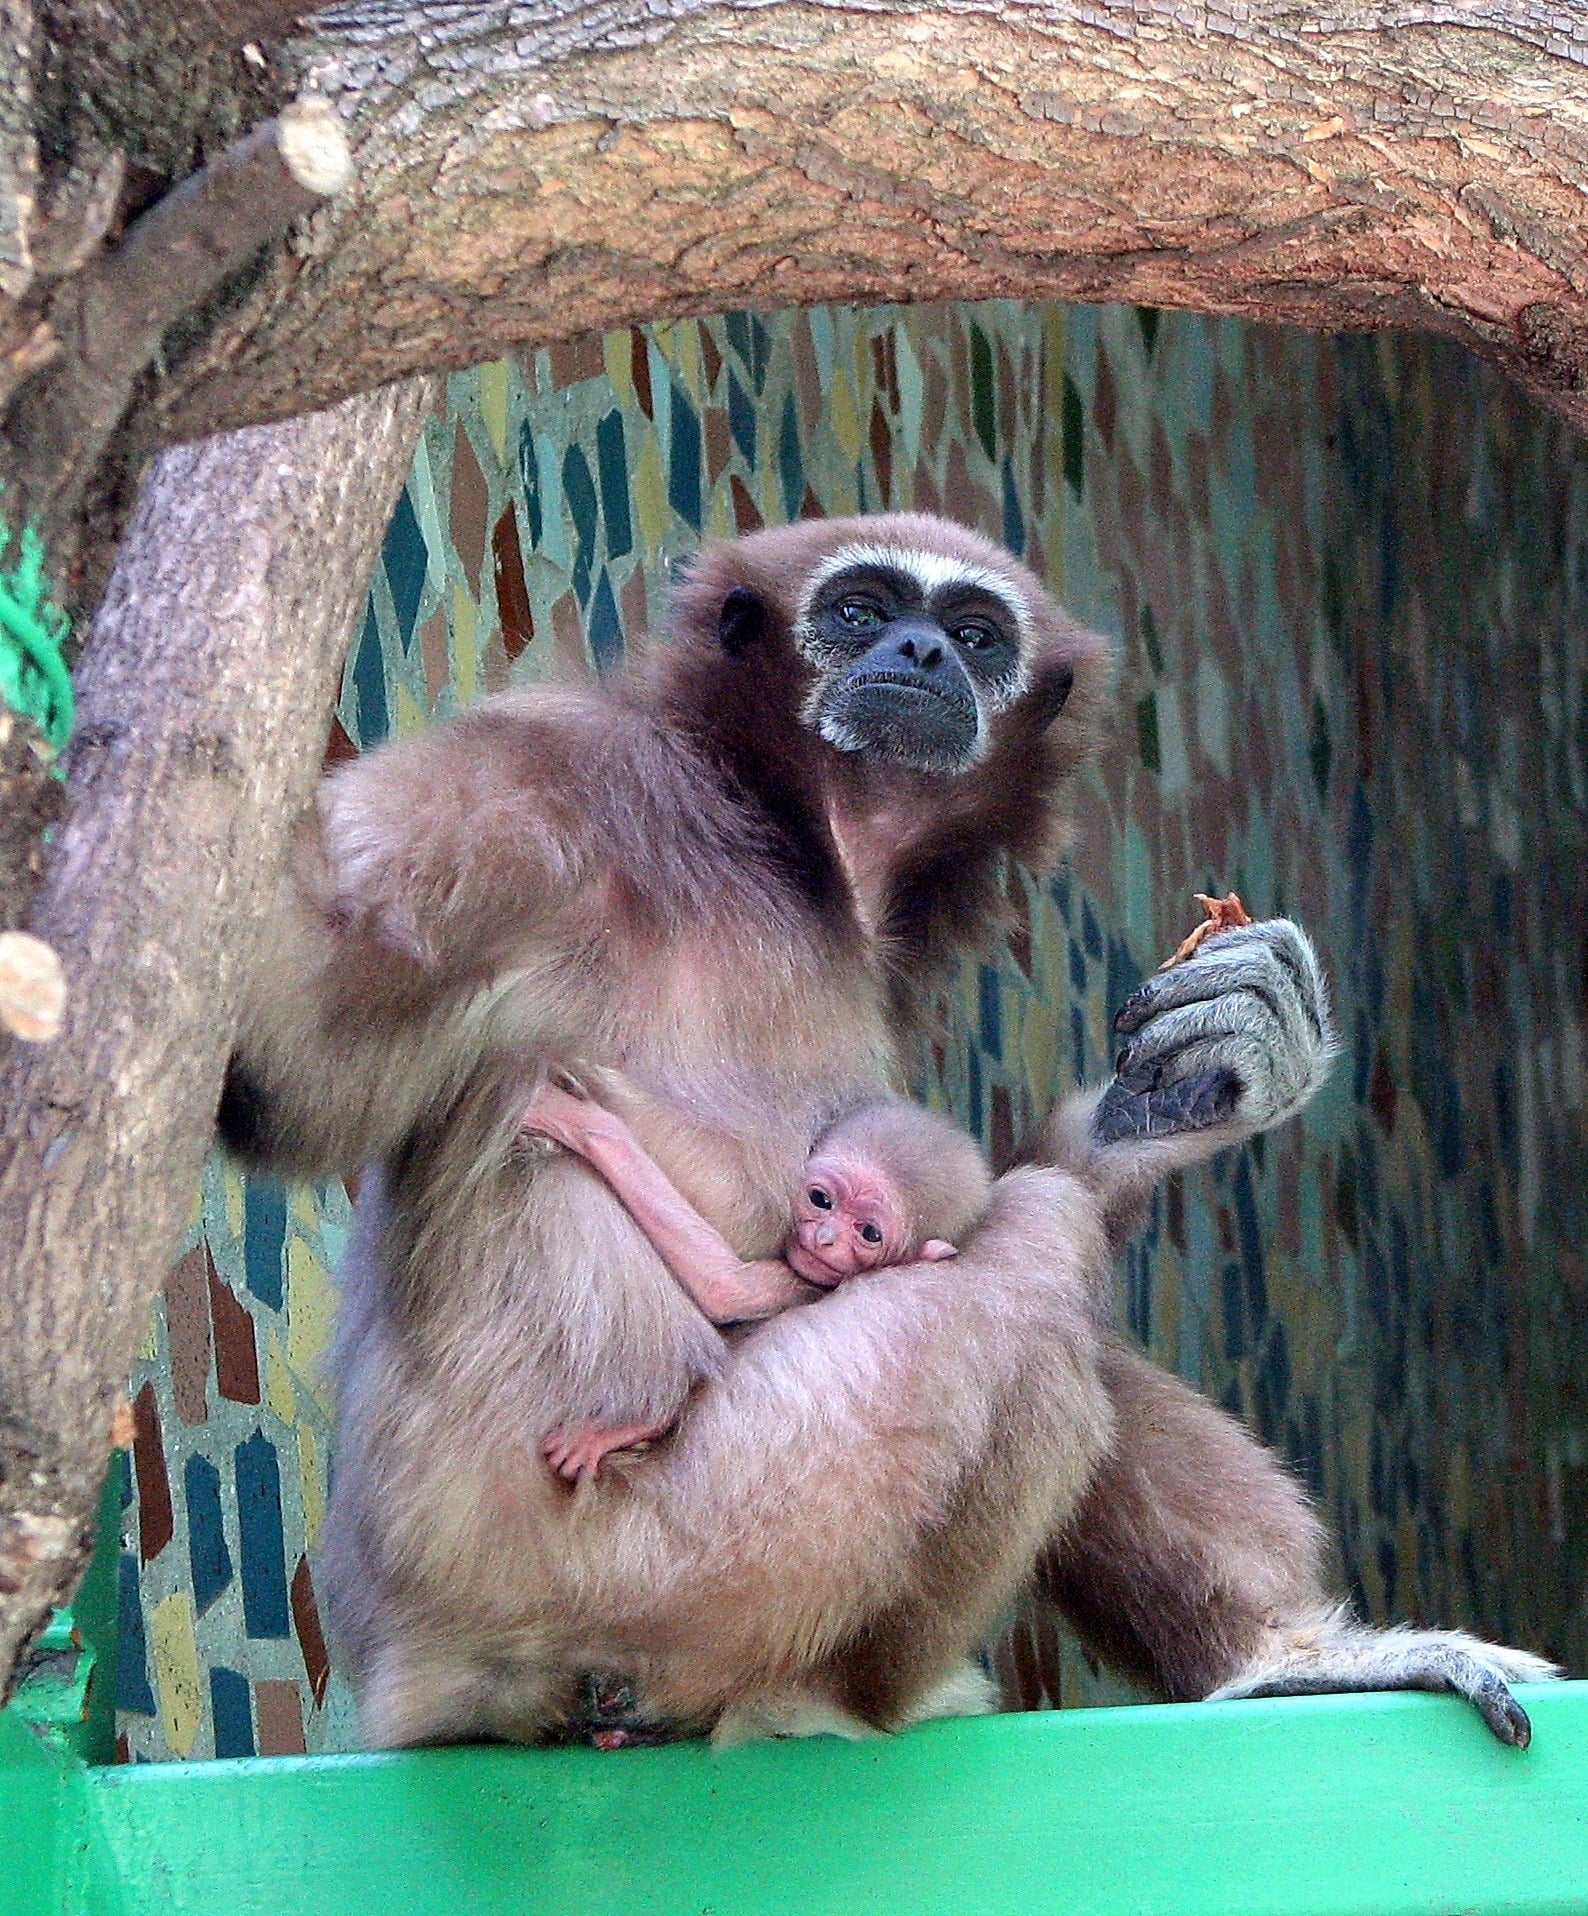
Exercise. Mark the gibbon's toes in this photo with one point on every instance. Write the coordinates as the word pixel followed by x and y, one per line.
pixel 1352 1658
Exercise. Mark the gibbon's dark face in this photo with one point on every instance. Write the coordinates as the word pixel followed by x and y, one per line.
pixel 914 650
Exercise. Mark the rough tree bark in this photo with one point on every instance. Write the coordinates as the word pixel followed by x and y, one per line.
pixel 527 172
pixel 205 693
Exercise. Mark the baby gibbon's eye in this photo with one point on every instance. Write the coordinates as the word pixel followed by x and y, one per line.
pixel 871 1234
pixel 819 1198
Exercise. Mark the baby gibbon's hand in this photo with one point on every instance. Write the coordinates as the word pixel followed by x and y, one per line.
pixel 557 1114
pixel 935 1250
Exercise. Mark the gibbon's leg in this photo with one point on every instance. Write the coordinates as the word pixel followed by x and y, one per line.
pixel 1194 1565
pixel 845 1511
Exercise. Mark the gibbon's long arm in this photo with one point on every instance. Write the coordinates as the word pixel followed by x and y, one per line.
pixel 427 879
pixel 1194 1563
pixel 728 1289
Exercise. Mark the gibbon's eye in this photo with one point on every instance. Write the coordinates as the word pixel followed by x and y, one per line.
pixel 871 1234
pixel 860 615
pixel 819 1198
pixel 975 636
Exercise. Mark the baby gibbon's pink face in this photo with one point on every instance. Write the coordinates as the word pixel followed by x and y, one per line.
pixel 847 1219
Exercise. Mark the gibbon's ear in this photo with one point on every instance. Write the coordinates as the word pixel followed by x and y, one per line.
pixel 741 621
pixel 1050 693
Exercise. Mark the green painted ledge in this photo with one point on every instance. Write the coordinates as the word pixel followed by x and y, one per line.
pixel 1380 1804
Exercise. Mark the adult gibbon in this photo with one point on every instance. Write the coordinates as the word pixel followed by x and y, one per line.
pixel 734 875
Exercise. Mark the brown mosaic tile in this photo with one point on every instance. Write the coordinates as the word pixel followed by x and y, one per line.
pixel 470 506
pixel 236 1356
pixel 187 1329
pixel 640 371
pixel 516 620
pixel 339 748
pixel 567 632
pixel 278 1718
pixel 746 514
pixel 306 1626
pixel 719 445
pixel 433 653
pixel 881 437
pixel 156 1522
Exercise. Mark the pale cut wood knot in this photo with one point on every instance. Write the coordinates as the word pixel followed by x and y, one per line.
pixel 32 989
pixel 313 146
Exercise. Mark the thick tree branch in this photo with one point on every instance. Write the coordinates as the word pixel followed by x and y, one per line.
pixel 527 172
pixel 203 700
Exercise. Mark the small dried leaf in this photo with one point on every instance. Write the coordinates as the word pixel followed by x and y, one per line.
pixel 32 990
pixel 1223 914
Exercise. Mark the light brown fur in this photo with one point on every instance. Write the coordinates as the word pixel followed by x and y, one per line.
pixel 672 874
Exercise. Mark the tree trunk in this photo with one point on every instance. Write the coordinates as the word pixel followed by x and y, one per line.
pixel 205 695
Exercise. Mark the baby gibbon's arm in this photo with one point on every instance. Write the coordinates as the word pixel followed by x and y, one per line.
pixel 727 1288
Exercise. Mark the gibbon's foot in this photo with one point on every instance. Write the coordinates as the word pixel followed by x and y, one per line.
pixel 1341 1656
pixel 577 1452
pixel 1237 1037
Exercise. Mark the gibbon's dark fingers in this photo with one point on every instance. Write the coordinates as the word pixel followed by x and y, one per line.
pixel 1255 1006
pixel 1274 956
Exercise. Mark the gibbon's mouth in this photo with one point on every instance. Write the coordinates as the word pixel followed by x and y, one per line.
pixel 908 682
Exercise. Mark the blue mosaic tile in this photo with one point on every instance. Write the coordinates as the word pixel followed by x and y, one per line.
pixel 403 554
pixel 742 421
pixel 369 681
pixel 260 1535
pixel 209 1559
pixel 579 491
pixel 606 627
pixel 133 1691
pixel 612 462
pixel 265 1236
pixel 231 1712
pixel 683 460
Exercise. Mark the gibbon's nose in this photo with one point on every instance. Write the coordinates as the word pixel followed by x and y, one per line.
pixel 826 1235
pixel 918 642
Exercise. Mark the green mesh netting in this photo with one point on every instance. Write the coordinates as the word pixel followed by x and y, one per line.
pixel 33 675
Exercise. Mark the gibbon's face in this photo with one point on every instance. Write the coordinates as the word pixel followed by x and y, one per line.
pixel 847 1219
pixel 915 652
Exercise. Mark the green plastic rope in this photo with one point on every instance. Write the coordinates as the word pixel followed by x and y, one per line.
pixel 33 675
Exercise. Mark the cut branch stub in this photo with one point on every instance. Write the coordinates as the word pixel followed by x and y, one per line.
pixel 109 318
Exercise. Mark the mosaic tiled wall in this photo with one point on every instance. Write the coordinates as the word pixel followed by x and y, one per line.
pixel 1348 580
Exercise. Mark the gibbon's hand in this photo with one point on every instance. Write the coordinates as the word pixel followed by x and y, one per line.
pixel 1231 1042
